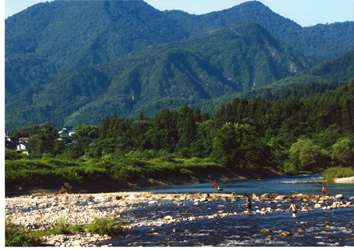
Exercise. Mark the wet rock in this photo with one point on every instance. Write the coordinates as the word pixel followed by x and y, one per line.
pixel 317 205
pixel 301 231
pixel 280 197
pixel 304 209
pixel 339 196
pixel 336 205
pixel 168 218
pixel 264 231
pixel 284 234
pixel 299 195
pixel 265 196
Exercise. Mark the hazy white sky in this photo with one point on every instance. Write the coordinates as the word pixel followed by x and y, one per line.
pixel 304 12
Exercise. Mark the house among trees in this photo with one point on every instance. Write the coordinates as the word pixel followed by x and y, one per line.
pixel 65 135
pixel 22 145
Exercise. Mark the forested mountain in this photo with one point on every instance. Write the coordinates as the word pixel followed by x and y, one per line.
pixel 319 79
pixel 49 38
pixel 79 61
pixel 234 59
pixel 71 33
pixel 320 42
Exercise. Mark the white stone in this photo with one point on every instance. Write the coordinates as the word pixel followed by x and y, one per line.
pixel 339 196
pixel 317 205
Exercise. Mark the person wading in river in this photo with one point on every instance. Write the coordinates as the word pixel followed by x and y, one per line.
pixel 293 208
pixel 324 190
pixel 249 205
pixel 214 184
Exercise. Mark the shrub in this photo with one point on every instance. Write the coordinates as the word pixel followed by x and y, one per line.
pixel 61 227
pixel 19 236
pixel 13 155
pixel 288 168
pixel 108 225
pixel 337 172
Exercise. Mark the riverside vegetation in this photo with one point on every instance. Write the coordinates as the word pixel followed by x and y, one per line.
pixel 19 235
pixel 252 138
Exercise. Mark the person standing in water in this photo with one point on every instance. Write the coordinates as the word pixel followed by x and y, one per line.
pixel 249 204
pixel 293 208
pixel 324 190
pixel 214 184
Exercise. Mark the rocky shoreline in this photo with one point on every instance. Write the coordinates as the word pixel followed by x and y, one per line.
pixel 344 180
pixel 41 211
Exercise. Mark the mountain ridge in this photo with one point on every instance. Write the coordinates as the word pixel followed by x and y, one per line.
pixel 234 59
pixel 55 50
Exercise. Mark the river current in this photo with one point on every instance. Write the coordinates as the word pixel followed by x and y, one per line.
pixel 315 228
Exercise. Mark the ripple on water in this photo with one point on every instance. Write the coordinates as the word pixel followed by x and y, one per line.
pixel 332 228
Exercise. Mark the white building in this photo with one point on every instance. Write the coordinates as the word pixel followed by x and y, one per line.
pixel 22 148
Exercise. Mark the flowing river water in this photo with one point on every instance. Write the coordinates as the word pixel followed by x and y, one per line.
pixel 314 228
pixel 308 184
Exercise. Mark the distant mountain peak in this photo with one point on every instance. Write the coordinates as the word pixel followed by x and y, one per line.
pixel 253 4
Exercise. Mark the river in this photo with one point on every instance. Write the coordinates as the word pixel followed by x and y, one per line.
pixel 315 228
pixel 309 184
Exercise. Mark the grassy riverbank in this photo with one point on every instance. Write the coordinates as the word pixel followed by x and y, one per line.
pixel 110 174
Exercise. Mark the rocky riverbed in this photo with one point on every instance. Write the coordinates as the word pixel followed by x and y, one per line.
pixel 161 219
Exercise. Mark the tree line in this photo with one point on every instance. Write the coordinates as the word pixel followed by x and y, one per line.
pixel 288 135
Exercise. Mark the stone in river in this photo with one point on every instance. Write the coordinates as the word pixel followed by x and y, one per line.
pixel 304 209
pixel 339 196
pixel 317 205
pixel 285 234
pixel 265 196
pixel 301 231
pixel 280 197
pixel 168 218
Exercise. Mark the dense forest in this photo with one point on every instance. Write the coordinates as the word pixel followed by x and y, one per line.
pixel 246 137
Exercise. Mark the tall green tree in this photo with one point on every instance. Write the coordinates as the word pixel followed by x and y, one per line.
pixel 306 155
pixel 343 151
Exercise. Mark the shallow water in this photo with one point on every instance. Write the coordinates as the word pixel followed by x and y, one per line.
pixel 283 185
pixel 320 228
pixel 315 228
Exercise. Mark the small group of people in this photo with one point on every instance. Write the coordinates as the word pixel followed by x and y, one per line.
pixel 293 207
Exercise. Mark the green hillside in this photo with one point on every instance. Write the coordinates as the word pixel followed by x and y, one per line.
pixel 320 42
pixel 79 61
pixel 231 60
